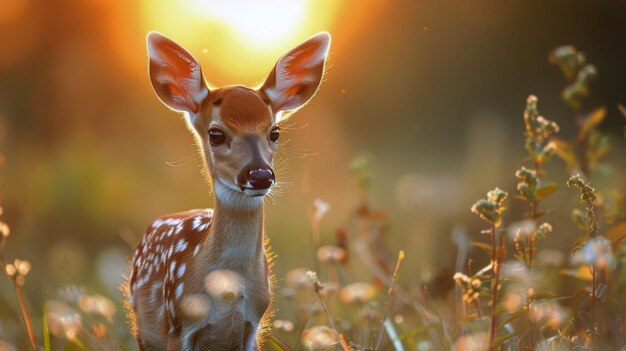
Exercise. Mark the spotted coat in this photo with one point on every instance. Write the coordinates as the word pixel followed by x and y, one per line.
pixel 160 263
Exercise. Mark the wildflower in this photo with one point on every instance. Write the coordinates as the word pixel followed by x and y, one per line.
pixel 537 127
pixel 4 231
pixel 568 59
pixel 97 304
pixel 331 254
pixel 283 325
pixel 317 285
pixel 358 292
pixel 329 289
pixel 528 186
pixel 587 193
pixel 538 132
pixel 298 278
pixel 18 270
pixel 497 196
pixel 587 197
pixel 544 230
pixel 63 321
pixel 550 313
pixel 523 229
pixel 490 209
pixel 319 338
pixel 321 208
pixel 513 301
pixel 470 286
pixel 594 252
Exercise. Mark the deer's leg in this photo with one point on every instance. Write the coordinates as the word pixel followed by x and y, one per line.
pixel 250 342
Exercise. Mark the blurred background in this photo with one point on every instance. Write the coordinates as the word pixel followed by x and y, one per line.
pixel 430 92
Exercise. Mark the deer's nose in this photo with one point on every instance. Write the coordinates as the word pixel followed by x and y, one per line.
pixel 259 178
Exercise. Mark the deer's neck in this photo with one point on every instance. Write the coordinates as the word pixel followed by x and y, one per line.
pixel 235 241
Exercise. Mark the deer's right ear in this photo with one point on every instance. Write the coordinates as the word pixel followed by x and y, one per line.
pixel 175 75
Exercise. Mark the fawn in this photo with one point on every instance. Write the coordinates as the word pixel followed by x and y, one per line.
pixel 200 279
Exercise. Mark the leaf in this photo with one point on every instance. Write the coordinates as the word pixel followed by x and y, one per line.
pixel 545 190
pixel 579 242
pixel 513 316
pixel 565 151
pixel 594 118
pixel 581 273
pixel 484 246
pixel 617 232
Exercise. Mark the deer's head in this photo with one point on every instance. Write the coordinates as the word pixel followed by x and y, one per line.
pixel 237 127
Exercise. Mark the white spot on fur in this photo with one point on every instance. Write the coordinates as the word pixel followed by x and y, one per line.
pixel 172 266
pixel 197 221
pixel 179 290
pixel 181 270
pixel 181 245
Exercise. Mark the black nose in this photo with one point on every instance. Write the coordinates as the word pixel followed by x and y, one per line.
pixel 260 178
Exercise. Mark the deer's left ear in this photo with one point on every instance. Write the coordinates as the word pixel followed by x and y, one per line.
pixel 297 74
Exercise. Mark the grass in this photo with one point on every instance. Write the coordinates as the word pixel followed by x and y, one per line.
pixel 504 305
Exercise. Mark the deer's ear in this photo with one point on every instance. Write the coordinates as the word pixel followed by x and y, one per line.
pixel 175 75
pixel 297 74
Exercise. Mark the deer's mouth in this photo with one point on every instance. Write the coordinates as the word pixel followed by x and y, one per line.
pixel 245 190
pixel 252 192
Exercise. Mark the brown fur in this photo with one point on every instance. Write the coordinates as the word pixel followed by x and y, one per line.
pixel 219 258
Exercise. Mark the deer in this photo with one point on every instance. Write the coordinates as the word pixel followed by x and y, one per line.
pixel 200 279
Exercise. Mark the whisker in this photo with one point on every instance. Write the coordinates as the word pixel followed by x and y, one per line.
pixel 184 160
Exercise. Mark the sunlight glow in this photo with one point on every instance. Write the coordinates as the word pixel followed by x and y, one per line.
pixel 259 23
pixel 238 41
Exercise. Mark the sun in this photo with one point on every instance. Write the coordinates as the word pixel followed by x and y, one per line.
pixel 238 40
pixel 257 23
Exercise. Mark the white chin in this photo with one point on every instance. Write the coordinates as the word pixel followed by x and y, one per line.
pixel 256 192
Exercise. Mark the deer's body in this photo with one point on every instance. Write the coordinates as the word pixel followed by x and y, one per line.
pixel 182 259
pixel 200 279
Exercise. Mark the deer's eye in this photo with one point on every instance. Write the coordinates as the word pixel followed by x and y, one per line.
pixel 216 137
pixel 274 134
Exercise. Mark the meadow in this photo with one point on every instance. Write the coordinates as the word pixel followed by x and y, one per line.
pixel 386 237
